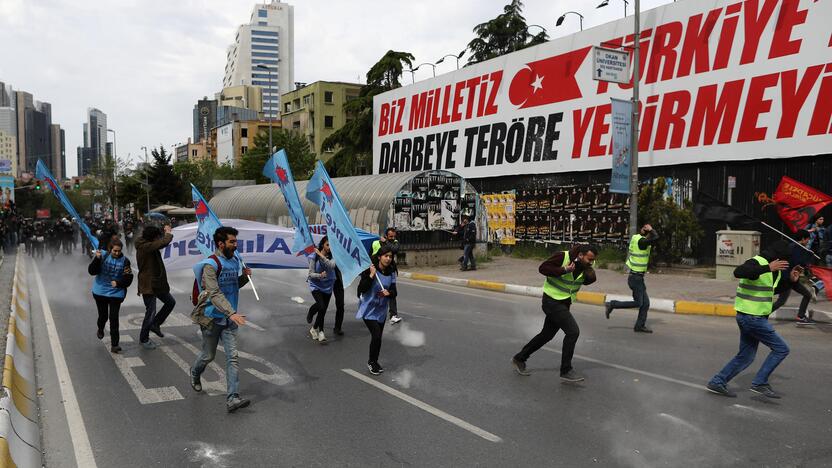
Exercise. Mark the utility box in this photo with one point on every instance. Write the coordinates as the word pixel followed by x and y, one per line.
pixel 733 248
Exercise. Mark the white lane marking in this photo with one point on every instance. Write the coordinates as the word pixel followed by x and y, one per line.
pixel 211 387
pixel 145 395
pixel 425 407
pixel 634 371
pixel 77 431
pixel 453 289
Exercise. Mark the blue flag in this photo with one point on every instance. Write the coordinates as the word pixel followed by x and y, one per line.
pixel 277 169
pixel 207 223
pixel 347 251
pixel 42 172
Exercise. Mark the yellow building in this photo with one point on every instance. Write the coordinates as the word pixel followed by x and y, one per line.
pixel 233 140
pixel 247 97
pixel 317 111
pixel 8 152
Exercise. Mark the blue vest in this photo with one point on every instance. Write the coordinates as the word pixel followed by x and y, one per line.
pixel 372 306
pixel 321 284
pixel 112 269
pixel 228 282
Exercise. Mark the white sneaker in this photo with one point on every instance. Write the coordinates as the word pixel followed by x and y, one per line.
pixel 395 319
pixel 314 333
pixel 321 337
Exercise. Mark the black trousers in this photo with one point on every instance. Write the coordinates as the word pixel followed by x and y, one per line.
pixel 376 328
pixel 319 307
pixel 784 296
pixel 558 317
pixel 338 292
pixel 108 308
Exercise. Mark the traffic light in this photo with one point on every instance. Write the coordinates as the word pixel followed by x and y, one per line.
pixel 77 186
pixel 37 185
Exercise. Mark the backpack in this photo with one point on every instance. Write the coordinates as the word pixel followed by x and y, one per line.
pixel 195 290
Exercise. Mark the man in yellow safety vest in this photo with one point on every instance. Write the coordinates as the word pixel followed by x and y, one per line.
pixel 759 277
pixel 565 273
pixel 638 256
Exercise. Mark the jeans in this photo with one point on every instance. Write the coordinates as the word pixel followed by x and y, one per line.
pixel 108 308
pixel 210 338
pixel 753 331
pixel 376 328
pixel 319 307
pixel 640 299
pixel 558 317
pixel 468 256
pixel 393 307
pixel 784 296
pixel 338 292
pixel 151 318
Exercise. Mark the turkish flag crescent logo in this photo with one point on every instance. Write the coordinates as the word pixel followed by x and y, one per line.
pixel 548 81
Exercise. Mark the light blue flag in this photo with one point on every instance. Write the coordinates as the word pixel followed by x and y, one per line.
pixel 277 169
pixel 622 122
pixel 347 251
pixel 42 172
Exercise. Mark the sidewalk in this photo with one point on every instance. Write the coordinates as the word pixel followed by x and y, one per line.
pixel 667 291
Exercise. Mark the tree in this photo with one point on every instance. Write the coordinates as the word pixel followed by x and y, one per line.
pixel 300 155
pixel 354 141
pixel 165 185
pixel 200 173
pixel 506 33
pixel 677 226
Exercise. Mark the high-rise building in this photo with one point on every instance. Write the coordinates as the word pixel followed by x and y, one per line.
pixel 263 54
pixel 37 136
pixel 8 130
pixel 95 142
pixel 204 118
pixel 58 160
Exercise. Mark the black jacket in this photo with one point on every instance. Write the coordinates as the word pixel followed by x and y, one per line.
pixel 365 283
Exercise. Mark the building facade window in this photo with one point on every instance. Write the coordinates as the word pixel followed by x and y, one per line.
pixel 287 107
pixel 262 23
pixel 329 121
pixel 328 97
pixel 259 61
pixel 243 149
pixel 262 13
pixel 244 133
pixel 263 47
pixel 267 40
pixel 264 54
pixel 257 32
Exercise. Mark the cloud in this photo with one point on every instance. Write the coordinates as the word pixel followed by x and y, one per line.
pixel 146 62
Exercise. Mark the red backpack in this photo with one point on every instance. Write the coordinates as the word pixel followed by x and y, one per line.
pixel 195 290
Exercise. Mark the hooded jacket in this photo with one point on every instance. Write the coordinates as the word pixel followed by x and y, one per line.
pixel 153 278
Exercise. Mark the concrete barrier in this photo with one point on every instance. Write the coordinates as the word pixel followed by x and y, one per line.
pixel 19 430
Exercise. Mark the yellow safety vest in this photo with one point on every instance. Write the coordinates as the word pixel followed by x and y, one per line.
pixel 754 297
pixel 637 259
pixel 565 286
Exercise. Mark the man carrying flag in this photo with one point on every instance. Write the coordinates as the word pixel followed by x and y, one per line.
pixel 277 169
pixel 347 251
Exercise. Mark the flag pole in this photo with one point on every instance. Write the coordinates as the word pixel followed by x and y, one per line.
pixel 790 239
pixel 256 296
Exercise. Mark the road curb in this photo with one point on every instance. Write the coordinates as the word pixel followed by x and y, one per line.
pixel 19 428
pixel 670 306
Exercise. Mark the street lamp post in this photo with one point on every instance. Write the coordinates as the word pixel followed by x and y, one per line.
pixel 563 16
pixel 428 64
pixel 457 57
pixel 634 126
pixel 536 26
pixel 271 109
pixel 412 74
pixel 114 199
pixel 146 182
pixel 607 2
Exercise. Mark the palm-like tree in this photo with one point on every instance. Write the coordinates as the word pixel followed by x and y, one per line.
pixel 506 33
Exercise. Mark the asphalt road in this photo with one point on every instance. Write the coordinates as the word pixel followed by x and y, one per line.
pixel 449 396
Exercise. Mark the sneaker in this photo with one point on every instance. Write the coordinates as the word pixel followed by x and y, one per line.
pixel 519 366
pixel 607 309
pixel 395 319
pixel 115 349
pixel 473 268
pixel 720 389
pixel 642 330
pixel 314 334
pixel 572 376
pixel 310 315
pixel 373 368
pixel 321 337
pixel 156 329
pixel 764 390
pixel 196 383
pixel 380 369
pixel 149 344
pixel 804 321
pixel 100 334
pixel 236 403
pixel 338 332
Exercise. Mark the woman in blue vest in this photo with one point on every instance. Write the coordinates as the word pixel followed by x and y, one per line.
pixel 321 280
pixel 112 278
pixel 375 290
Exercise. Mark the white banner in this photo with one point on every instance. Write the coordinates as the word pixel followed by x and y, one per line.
pixel 721 80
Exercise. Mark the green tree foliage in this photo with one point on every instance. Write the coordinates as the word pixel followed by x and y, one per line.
pixel 354 141
pixel 165 185
pixel 301 157
pixel 677 226
pixel 506 33
pixel 200 173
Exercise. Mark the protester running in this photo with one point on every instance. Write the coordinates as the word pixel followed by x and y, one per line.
pixel 759 277
pixel 112 278
pixel 153 281
pixel 638 256
pixel 375 289
pixel 798 257
pixel 219 281
pixel 468 231
pixel 389 239
pixel 565 273
pixel 321 281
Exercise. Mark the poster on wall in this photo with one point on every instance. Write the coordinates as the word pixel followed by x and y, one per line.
pixel 449 214
pixel 419 215
pixel 401 212
pixel 501 222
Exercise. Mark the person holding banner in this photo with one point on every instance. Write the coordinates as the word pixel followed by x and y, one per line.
pixel 112 278
pixel 321 281
pixel 153 281
pixel 219 281
pixel 375 289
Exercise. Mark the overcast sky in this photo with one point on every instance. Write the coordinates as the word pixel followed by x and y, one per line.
pixel 146 62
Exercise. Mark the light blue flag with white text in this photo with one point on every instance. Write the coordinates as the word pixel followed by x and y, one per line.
pixel 349 254
pixel 42 172
pixel 277 169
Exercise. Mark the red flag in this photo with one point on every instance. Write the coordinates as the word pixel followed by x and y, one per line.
pixel 797 204
pixel 825 275
pixel 548 81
